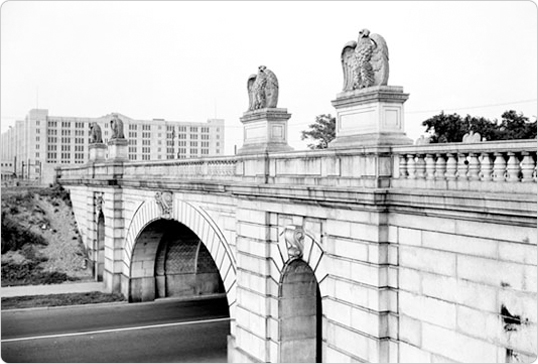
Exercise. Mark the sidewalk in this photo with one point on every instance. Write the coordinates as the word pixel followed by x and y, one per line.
pixel 51 289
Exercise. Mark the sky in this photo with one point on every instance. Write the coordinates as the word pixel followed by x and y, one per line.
pixel 190 61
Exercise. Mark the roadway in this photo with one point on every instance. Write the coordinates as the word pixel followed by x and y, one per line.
pixel 161 331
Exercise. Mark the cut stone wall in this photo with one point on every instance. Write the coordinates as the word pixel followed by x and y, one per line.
pixel 467 290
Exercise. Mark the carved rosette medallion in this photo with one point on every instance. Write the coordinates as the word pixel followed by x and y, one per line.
pixel 294 236
pixel 165 202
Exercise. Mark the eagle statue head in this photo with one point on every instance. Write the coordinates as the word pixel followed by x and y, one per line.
pixel 364 33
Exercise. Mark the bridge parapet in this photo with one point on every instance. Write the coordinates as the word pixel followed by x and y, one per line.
pixel 496 166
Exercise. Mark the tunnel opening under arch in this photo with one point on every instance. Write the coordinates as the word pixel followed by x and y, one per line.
pixel 170 260
pixel 300 314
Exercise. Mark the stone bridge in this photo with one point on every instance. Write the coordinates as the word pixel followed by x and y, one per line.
pixel 387 253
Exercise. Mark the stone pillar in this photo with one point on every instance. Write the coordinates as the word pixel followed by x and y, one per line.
pixel 117 149
pixel 113 208
pixel 265 130
pixel 370 116
pixel 97 152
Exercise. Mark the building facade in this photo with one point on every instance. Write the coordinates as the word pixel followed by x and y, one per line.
pixel 40 142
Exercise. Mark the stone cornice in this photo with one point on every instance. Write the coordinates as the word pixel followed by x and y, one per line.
pixel 272 114
pixel 393 94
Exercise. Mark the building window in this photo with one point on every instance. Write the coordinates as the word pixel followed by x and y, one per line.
pixel 51 147
pixel 132 134
pixel 38 131
pixel 194 136
pixel 205 137
pixel 204 144
pixel 132 157
pixel 66 124
pixel 194 151
pixel 182 128
pixel 194 144
pixel 145 157
pixel 146 142
pixel 52 132
pixel 37 123
pixel 194 129
pixel 182 136
pixel 37 146
pixel 205 151
pixel 146 135
pixel 146 127
pixel 37 154
pixel 205 130
pixel 37 138
pixel 132 126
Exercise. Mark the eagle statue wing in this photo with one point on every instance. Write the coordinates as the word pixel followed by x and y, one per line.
pixel 251 91
pixel 349 65
pixel 380 60
pixel 271 89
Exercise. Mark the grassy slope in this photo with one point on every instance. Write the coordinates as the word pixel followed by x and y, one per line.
pixel 45 246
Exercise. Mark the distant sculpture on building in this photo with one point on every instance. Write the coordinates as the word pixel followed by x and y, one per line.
pixel 96 135
pixel 116 125
pixel 366 62
pixel 262 89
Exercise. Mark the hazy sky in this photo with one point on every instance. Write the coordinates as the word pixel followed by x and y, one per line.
pixel 189 61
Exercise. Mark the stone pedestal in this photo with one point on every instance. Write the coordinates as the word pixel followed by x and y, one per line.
pixel 265 130
pixel 371 116
pixel 117 149
pixel 97 152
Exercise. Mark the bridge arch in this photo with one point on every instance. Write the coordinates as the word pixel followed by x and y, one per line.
pixel 142 242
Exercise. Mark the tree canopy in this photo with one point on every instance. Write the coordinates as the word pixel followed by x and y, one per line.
pixel 321 132
pixel 450 128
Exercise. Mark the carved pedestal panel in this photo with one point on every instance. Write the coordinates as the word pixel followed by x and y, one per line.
pixel 265 130
pixel 117 149
pixel 370 116
pixel 97 152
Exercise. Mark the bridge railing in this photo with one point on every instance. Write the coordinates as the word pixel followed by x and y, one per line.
pixel 507 166
pixel 504 166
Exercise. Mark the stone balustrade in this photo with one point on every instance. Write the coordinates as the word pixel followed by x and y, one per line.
pixel 508 166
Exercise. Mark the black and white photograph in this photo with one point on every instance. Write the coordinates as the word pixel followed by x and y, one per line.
pixel 269 181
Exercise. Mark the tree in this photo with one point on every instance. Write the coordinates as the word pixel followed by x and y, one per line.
pixel 322 131
pixel 451 128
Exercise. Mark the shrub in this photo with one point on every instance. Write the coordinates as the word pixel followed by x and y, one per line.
pixel 14 236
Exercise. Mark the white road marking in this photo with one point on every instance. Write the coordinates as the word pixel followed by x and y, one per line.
pixel 115 330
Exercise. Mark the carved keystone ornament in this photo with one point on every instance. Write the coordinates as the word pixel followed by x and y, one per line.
pixel 294 236
pixel 164 201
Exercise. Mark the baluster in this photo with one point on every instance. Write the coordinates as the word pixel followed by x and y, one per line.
pixel 527 167
pixel 402 167
pixel 440 167
pixel 411 166
pixel 474 167
pixel 451 167
pixel 499 167
pixel 512 168
pixel 462 167
pixel 421 167
pixel 430 167
pixel 486 168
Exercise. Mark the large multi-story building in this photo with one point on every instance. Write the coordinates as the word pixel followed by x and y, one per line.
pixel 40 142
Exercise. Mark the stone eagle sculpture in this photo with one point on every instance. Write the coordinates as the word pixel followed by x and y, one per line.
pixel 95 133
pixel 366 62
pixel 116 125
pixel 262 89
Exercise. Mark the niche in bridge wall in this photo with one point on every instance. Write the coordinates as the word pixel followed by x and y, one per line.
pixel 300 315
pixel 184 266
pixel 100 247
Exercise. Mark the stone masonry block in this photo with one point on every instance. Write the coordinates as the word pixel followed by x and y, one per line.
pixel 252 231
pixel 428 309
pixel 428 260
pixel 413 354
pixel 477 323
pixel 251 216
pixel 497 232
pixel 518 253
pixel 460 244
pixel 457 346
pixel 347 248
pixel 409 236
pixel 494 273
pixel 410 330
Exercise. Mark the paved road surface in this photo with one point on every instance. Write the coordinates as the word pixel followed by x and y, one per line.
pixel 162 331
